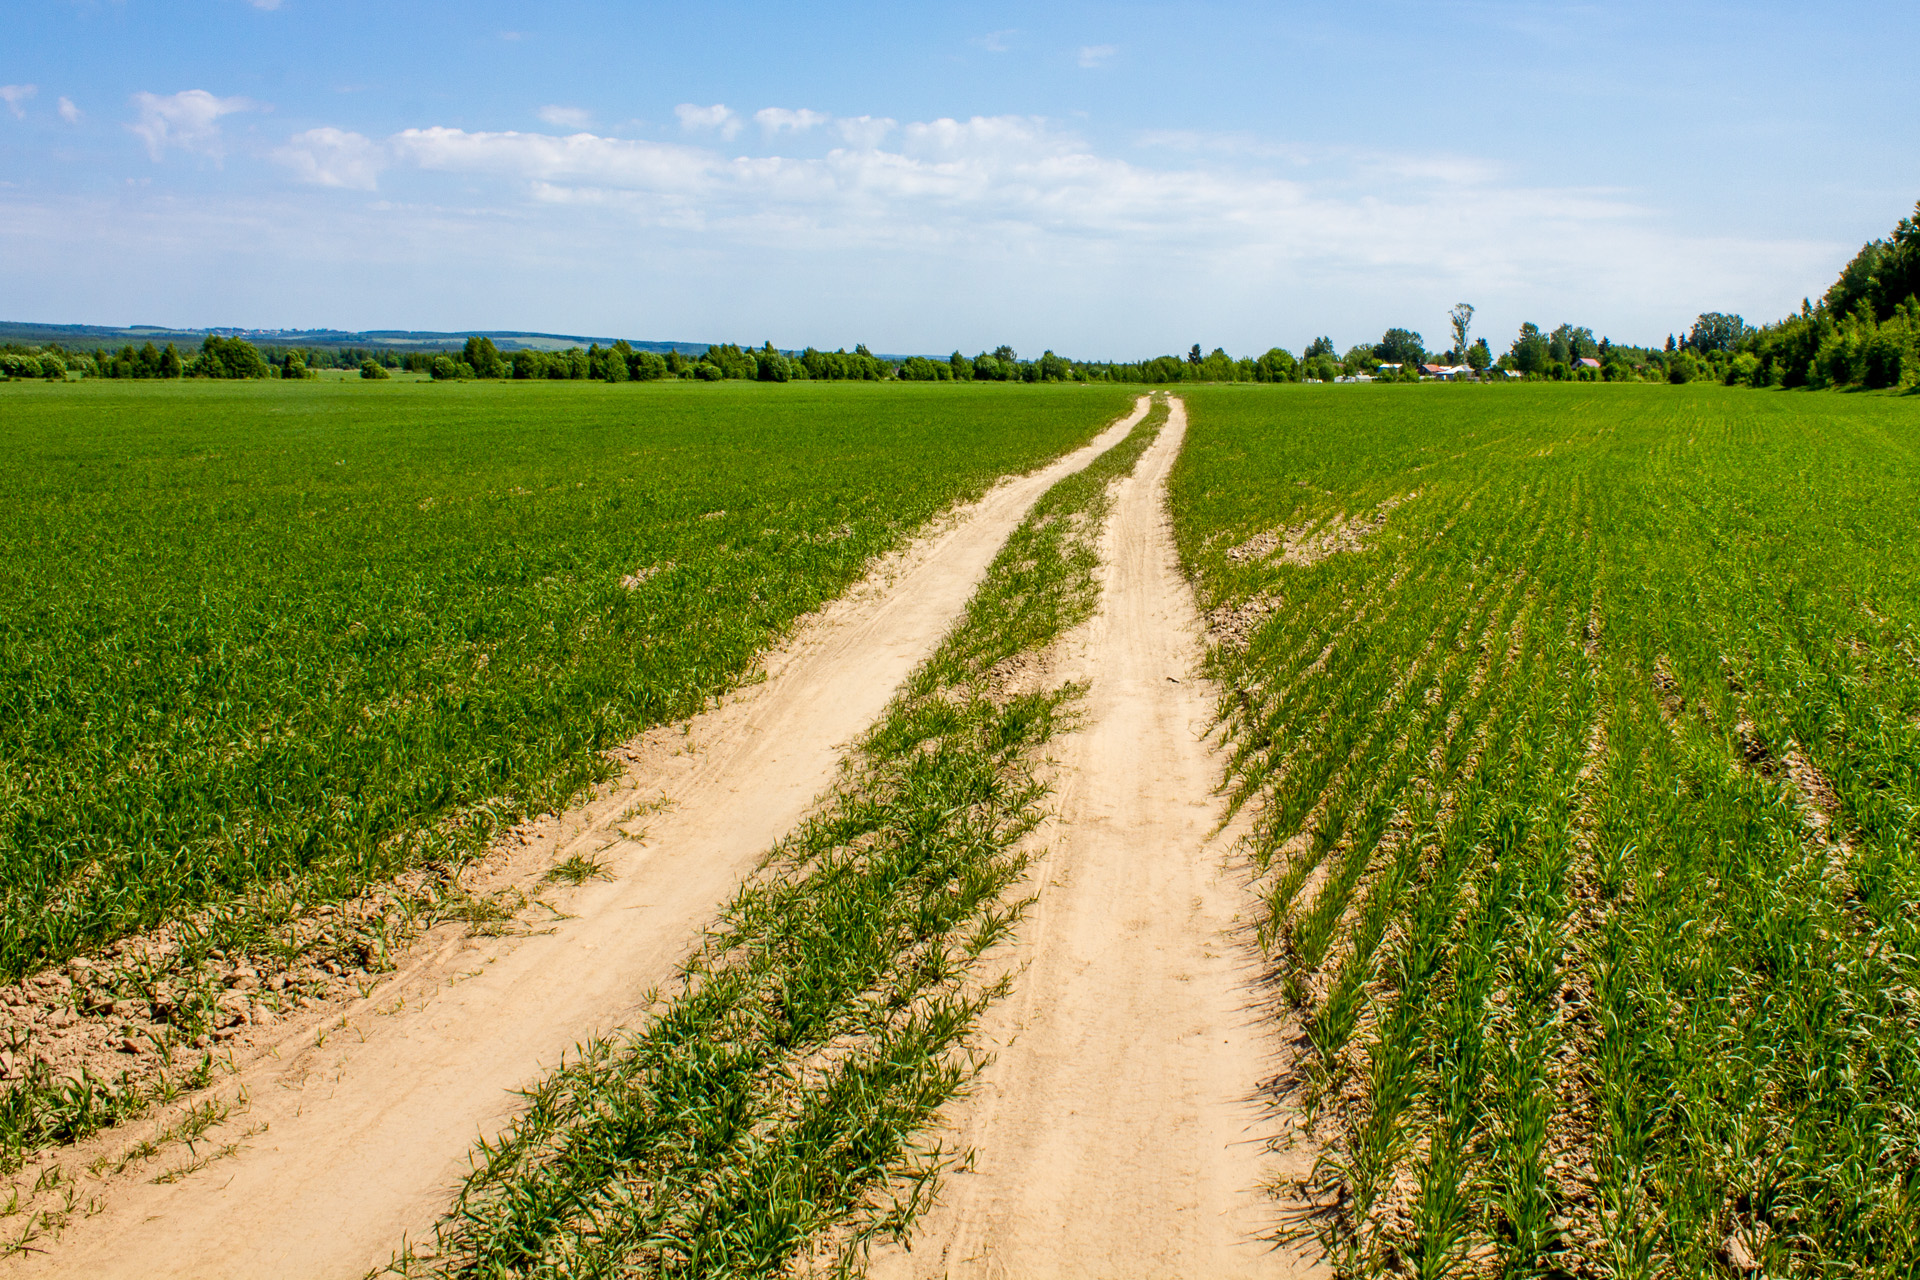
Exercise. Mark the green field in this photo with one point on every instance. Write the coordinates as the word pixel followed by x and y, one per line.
pixel 304 633
pixel 1585 792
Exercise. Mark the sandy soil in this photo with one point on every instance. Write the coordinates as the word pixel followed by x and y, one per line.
pixel 1116 1132
pixel 354 1132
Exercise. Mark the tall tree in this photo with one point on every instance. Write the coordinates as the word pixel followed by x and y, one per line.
pixel 1461 318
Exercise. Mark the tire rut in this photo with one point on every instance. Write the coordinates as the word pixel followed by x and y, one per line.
pixel 1116 1131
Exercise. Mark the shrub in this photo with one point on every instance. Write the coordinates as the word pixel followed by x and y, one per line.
pixel 1682 368
pixel 371 370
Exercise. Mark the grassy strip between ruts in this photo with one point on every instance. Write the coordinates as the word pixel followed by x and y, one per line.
pixel 776 1097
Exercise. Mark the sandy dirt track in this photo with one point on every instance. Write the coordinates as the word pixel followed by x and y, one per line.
pixel 366 1135
pixel 1115 1133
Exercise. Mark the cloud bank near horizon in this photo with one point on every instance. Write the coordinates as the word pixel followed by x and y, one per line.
pixel 1271 238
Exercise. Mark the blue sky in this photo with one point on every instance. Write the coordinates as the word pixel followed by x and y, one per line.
pixel 1108 180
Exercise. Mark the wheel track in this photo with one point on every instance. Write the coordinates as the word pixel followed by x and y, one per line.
pixel 1116 1132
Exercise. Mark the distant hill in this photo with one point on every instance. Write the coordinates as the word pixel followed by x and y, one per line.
pixel 94 335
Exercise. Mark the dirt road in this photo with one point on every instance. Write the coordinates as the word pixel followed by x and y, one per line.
pixel 1113 1134
pixel 357 1141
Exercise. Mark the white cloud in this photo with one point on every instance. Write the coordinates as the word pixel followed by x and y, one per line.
pixel 778 119
pixel 566 117
pixel 187 121
pixel 15 94
pixel 996 41
pixel 915 235
pixel 268 5
pixel 580 158
pixel 333 158
pixel 865 132
pixel 1094 55
pixel 68 112
pixel 721 119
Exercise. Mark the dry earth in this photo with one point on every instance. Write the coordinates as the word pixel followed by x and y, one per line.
pixel 351 1126
pixel 1117 1132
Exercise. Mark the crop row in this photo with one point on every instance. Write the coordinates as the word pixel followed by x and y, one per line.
pixel 1585 791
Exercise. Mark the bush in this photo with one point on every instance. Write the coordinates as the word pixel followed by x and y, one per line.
pixel 447 369
pixel 296 367
pixel 227 358
pixel 648 366
pixel 771 366
pixel 371 370
pixel 1682 368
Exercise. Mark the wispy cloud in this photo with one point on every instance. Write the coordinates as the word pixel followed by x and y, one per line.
pixel 334 158
pixel 997 41
pixel 717 118
pixel 15 95
pixel 187 121
pixel 68 112
pixel 1095 55
pixel 780 119
pixel 268 5
pixel 566 117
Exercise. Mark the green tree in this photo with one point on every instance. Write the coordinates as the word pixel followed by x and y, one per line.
pixel 372 370
pixel 484 357
pixel 770 365
pixel 1717 331
pixel 1479 355
pixel 1278 365
pixel 961 366
pixel 1570 343
pixel 1194 357
pixel 1529 350
pixel 171 365
pixel 1318 347
pixel 1400 346
pixel 1461 318
pixel 1360 359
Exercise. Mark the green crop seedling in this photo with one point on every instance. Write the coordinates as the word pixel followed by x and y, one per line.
pixel 1581 733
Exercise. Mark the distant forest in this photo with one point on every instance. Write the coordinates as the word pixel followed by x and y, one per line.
pixel 1864 332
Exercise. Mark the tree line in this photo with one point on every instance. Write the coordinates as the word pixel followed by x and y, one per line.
pixel 1864 332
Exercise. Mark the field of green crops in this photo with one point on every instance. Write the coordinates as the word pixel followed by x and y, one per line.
pixel 300 633
pixel 1580 731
